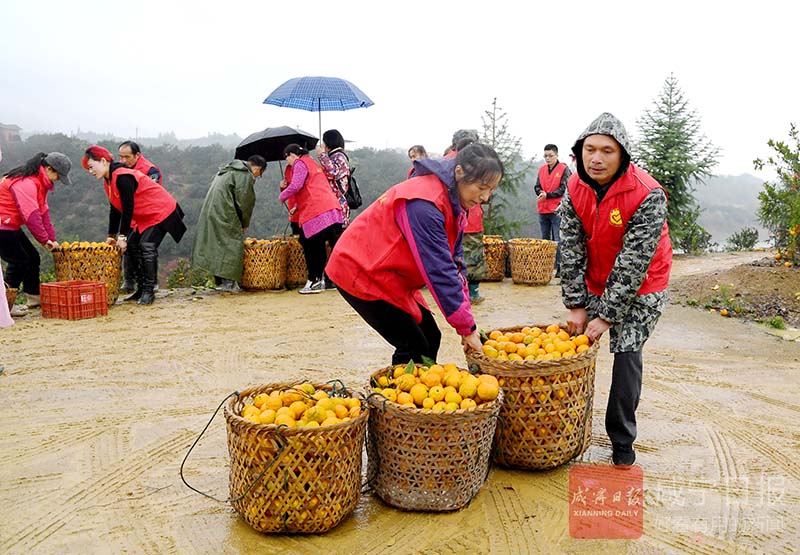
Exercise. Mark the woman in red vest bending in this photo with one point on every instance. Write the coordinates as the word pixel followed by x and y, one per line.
pixel 410 238
pixel 320 214
pixel 142 212
pixel 23 201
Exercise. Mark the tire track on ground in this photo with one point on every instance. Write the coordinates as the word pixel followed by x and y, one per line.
pixel 88 491
pixel 713 412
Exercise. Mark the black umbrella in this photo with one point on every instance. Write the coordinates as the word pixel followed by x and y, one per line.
pixel 270 143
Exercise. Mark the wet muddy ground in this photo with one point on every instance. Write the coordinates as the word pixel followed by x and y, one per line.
pixel 96 416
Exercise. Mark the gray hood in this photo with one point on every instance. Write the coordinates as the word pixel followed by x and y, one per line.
pixel 604 124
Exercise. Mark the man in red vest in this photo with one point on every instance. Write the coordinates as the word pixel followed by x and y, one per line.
pixel 131 157
pixel 550 186
pixel 615 264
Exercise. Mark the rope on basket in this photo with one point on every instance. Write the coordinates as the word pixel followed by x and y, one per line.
pixel 281 440
pixel 370 480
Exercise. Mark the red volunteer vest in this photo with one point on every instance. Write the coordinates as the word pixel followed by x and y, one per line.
pixel 474 219
pixel 316 196
pixel 143 165
pixel 605 225
pixel 151 202
pixel 550 182
pixel 10 217
pixel 372 259
pixel 291 202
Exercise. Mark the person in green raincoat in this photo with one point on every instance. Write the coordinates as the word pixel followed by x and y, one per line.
pixel 218 245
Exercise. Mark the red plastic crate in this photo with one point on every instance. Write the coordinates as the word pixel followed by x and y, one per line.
pixel 73 300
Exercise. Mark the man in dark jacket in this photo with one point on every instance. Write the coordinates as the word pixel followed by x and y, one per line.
pixel 614 276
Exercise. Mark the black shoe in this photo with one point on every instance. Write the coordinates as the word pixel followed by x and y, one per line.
pixel 623 458
pixel 136 296
pixel 128 286
pixel 147 298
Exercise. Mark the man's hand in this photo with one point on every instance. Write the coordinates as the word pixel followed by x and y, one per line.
pixel 244 231
pixel 596 328
pixel 542 196
pixel 576 321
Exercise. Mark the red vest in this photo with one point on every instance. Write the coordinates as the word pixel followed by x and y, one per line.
pixel 550 182
pixel 291 202
pixel 316 196
pixel 151 202
pixel 372 259
pixel 475 219
pixel 10 217
pixel 605 225
pixel 143 165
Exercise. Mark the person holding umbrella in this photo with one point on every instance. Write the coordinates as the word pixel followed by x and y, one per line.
pixel 141 214
pixel 335 163
pixel 23 201
pixel 320 213
pixel 410 238
pixel 224 219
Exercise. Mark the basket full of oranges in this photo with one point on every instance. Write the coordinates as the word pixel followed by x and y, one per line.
pixel 295 455
pixel 85 261
pixel 547 376
pixel 430 435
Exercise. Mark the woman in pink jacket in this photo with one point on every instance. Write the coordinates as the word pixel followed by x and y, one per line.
pixel 23 201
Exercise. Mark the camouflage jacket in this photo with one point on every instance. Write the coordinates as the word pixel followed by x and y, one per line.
pixel 638 247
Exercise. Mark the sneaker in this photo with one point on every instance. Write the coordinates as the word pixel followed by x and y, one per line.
pixel 476 300
pixel 315 287
pixel 623 459
pixel 329 285
pixel 19 310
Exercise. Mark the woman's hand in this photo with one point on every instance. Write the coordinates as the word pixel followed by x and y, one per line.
pixel 111 241
pixel 283 184
pixel 472 342
pixel 50 245
pixel 122 245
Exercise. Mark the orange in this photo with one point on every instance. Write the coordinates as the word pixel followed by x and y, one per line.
pixel 468 404
pixel 436 393
pixel 488 391
pixel 419 393
pixel 405 382
pixel 453 397
pixel 436 368
pixel 553 328
pixel 489 351
pixel 450 367
pixel 341 411
pixel 581 339
pixel 433 378
pixel 404 397
pixel 389 393
pixel 355 411
pixel 427 403
pixel 516 337
pixel 494 334
pixel 298 408
pixel 260 399
pixel 582 348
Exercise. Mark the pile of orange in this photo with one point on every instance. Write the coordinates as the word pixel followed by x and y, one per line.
pixel 84 245
pixel 436 387
pixel 253 242
pixel 303 405
pixel 534 343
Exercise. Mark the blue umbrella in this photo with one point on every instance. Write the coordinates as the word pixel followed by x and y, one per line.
pixel 319 94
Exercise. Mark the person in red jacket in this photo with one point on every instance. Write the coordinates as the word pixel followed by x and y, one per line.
pixel 131 155
pixel 141 214
pixel 615 264
pixel 319 212
pixel 23 201
pixel 410 238
pixel 551 182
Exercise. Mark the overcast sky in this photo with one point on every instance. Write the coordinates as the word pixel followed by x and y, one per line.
pixel 430 67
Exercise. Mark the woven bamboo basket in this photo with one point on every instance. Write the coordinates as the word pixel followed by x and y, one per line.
pixel 547 413
pixel 424 460
pixel 532 260
pixel 11 296
pixel 296 270
pixel 264 264
pixel 314 480
pixel 90 263
pixel 495 251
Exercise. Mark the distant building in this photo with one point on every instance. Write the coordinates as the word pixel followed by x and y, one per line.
pixel 9 133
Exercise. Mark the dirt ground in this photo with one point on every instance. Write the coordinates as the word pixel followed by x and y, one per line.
pixel 97 415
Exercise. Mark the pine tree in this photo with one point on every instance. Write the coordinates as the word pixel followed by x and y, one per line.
pixel 679 156
pixel 499 219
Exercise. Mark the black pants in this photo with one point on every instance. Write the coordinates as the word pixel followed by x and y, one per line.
pixel 314 249
pixel 623 399
pixel 410 340
pixel 23 260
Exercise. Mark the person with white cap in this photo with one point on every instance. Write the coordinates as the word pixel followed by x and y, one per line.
pixel 23 201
